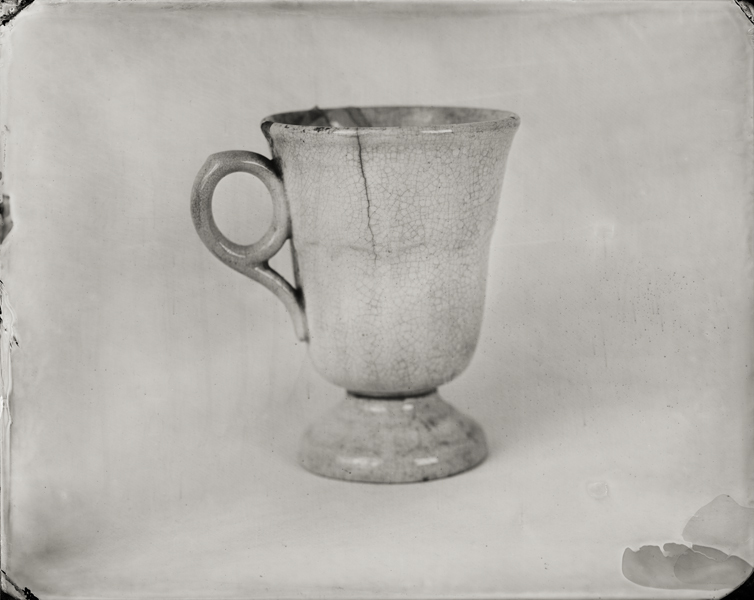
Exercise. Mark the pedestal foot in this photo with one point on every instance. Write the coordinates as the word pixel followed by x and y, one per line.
pixel 392 440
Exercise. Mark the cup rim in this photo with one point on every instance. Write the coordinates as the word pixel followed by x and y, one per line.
pixel 495 119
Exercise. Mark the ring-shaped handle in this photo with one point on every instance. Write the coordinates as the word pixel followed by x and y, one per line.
pixel 250 260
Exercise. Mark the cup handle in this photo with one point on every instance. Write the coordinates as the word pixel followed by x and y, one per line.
pixel 250 260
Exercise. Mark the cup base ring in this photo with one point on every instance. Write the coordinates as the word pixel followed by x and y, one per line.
pixel 396 440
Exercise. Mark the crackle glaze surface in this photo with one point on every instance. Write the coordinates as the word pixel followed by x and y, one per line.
pixel 391 225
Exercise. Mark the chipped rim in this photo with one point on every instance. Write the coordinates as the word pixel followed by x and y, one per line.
pixel 499 119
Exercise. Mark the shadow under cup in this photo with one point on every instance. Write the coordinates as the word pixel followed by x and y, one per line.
pixel 389 212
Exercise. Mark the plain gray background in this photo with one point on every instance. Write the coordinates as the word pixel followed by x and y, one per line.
pixel 158 396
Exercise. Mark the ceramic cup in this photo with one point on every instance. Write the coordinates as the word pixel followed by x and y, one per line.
pixel 389 212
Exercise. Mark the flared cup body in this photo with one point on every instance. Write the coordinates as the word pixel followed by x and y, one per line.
pixel 391 221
